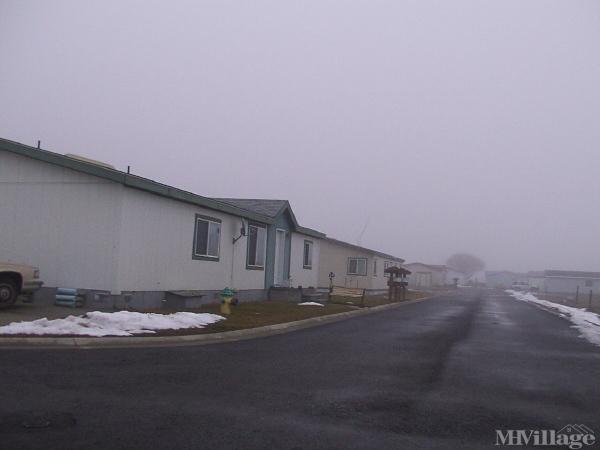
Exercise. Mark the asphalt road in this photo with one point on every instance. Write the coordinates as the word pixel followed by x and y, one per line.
pixel 444 373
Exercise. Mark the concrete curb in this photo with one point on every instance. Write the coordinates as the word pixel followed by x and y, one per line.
pixel 34 343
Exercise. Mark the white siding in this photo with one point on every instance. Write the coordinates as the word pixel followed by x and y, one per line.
pixel 299 275
pixel 379 281
pixel 423 276
pixel 156 248
pixel 89 233
pixel 334 258
pixel 62 221
pixel 565 285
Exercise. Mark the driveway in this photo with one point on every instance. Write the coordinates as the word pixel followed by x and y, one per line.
pixel 444 373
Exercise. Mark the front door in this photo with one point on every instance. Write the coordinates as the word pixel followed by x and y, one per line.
pixel 280 277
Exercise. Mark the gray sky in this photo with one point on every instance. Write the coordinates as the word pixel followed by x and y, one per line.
pixel 452 126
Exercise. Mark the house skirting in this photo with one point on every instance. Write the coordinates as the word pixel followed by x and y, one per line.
pixel 103 300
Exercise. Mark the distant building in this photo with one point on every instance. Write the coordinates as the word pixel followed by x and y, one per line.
pixel 569 281
pixel 503 279
pixel 455 277
pixel 536 280
pixel 426 275
pixel 354 266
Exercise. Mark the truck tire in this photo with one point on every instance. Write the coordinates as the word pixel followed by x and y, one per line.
pixel 8 292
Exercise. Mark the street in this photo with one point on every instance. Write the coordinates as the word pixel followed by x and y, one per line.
pixel 442 373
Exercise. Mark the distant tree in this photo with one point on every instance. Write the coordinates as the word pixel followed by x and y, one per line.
pixel 465 263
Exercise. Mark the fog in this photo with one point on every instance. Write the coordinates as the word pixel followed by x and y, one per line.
pixel 440 126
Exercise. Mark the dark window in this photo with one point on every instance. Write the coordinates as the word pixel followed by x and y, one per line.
pixel 307 257
pixel 207 236
pixel 374 267
pixel 357 266
pixel 257 240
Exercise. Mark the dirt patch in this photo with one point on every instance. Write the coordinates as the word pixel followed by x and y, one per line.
pixel 375 300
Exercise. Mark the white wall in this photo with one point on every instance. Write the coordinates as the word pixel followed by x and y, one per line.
pixel 334 258
pixel 62 221
pixel 299 275
pixel 156 248
pixel 423 276
pixel 89 233
pixel 379 281
pixel 569 285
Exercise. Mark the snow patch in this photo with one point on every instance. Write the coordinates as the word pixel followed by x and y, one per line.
pixel 310 304
pixel 122 323
pixel 587 322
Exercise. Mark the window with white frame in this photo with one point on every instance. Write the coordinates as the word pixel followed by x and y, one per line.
pixel 307 255
pixel 207 238
pixel 357 266
pixel 257 246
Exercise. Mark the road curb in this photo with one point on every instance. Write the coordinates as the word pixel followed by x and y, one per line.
pixel 193 339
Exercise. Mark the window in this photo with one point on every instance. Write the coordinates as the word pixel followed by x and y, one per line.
pixel 357 266
pixel 307 255
pixel 589 283
pixel 257 244
pixel 374 267
pixel 207 238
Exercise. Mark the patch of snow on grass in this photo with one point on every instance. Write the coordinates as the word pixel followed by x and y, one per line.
pixel 310 304
pixel 122 323
pixel 587 322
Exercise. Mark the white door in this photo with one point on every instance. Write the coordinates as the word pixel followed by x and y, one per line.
pixel 280 258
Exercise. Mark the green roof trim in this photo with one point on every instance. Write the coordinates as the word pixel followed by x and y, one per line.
pixel 129 180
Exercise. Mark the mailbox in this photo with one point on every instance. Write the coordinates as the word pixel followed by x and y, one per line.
pixel 397 282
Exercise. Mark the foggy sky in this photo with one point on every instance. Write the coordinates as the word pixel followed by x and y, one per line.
pixel 461 126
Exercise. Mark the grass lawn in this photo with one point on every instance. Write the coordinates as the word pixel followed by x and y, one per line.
pixel 258 314
pixel 255 314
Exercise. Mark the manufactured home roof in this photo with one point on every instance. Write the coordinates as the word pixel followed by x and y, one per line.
pixel 270 208
pixel 430 266
pixel 364 249
pixel 267 207
pixel 570 274
pixel 136 182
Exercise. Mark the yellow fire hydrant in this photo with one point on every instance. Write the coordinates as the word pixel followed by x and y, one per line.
pixel 227 297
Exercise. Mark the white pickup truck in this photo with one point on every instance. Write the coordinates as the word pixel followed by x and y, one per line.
pixel 15 280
